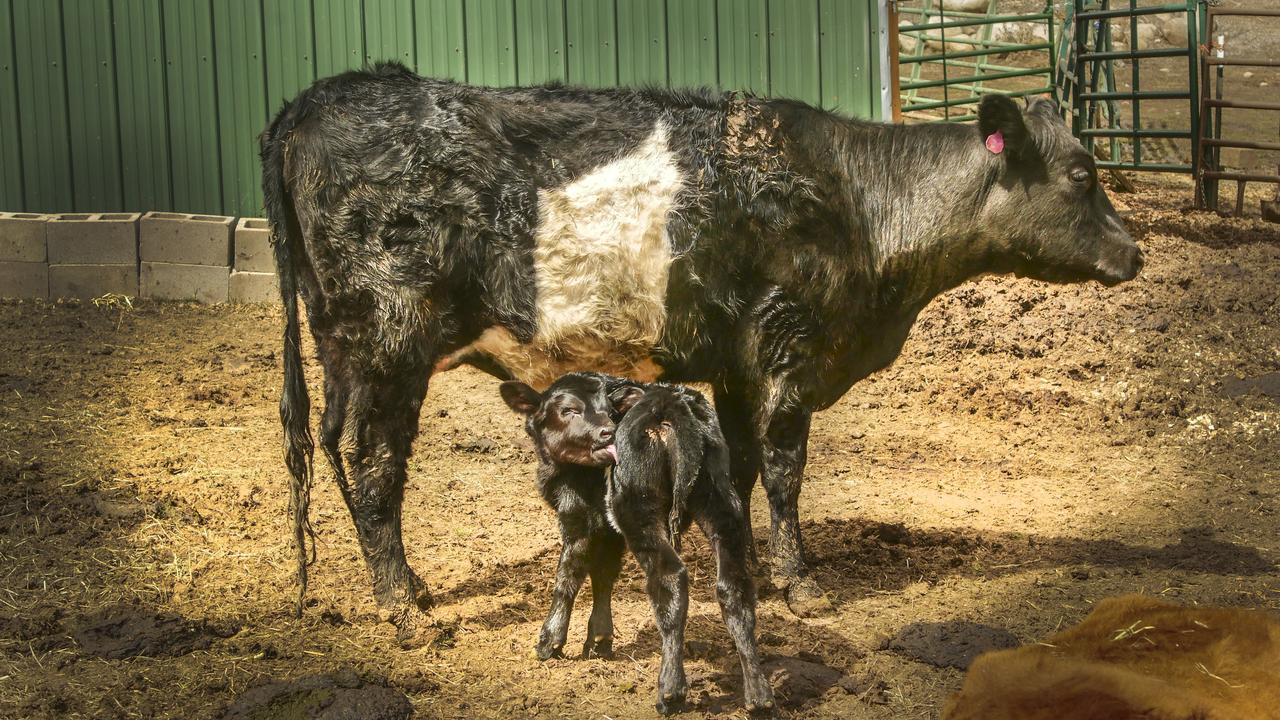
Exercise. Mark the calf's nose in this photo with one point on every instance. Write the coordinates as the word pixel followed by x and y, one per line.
pixel 605 434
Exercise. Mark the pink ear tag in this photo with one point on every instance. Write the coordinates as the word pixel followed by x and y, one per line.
pixel 995 142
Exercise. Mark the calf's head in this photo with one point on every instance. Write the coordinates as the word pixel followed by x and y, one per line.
pixel 1046 216
pixel 573 422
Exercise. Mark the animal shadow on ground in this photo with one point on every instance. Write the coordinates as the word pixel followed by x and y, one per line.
pixel 856 557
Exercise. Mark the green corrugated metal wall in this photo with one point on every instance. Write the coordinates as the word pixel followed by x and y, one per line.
pixel 112 105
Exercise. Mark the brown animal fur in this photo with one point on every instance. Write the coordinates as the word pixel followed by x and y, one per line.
pixel 1134 657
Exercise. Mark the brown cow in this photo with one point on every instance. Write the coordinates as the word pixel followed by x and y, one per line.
pixel 1134 657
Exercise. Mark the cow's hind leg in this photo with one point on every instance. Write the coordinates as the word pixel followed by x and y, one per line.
pixel 381 406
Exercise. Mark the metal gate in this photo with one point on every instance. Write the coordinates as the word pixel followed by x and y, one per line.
pixel 967 72
pixel 1087 77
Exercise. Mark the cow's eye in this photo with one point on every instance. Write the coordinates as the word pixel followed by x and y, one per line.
pixel 1080 175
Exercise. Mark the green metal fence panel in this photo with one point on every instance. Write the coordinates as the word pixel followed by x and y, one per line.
pixel 642 43
pixel 440 35
pixel 10 135
pixel 691 44
pixel 193 110
pixel 289 38
pixel 388 31
pixel 157 104
pixel 743 30
pixel 541 49
pixel 491 39
pixel 242 99
pixel 794 51
pixel 145 175
pixel 93 123
pixel 337 37
pixel 593 42
pixel 42 105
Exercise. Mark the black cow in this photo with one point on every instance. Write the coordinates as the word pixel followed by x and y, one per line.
pixel 672 469
pixel 777 251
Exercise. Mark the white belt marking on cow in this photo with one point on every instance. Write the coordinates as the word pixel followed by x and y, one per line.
pixel 601 260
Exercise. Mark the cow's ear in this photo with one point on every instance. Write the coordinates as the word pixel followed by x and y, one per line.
pixel 520 397
pixel 1002 126
pixel 625 398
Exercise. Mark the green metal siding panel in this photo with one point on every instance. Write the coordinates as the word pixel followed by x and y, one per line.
pixel 156 104
pixel 439 36
pixel 338 38
pixel 743 31
pixel 388 31
pixel 193 113
pixel 491 37
pixel 10 136
pixel 91 106
pixel 42 110
pixel 593 42
pixel 642 42
pixel 242 101
pixel 541 49
pixel 144 129
pixel 793 50
pixel 289 47
pixel 691 42
pixel 847 85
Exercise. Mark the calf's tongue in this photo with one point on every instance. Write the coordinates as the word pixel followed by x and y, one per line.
pixel 613 453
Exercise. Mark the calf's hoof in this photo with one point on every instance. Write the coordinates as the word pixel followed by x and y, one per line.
pixel 548 650
pixel 598 647
pixel 806 599
pixel 762 707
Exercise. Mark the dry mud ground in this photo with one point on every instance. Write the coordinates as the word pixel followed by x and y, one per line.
pixel 1035 448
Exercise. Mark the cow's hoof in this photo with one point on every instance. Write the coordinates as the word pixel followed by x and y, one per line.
pixel 669 703
pixel 600 647
pixel 806 599
pixel 417 629
pixel 547 651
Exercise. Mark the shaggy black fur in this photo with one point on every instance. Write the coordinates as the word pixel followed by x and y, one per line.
pixel 806 243
pixel 672 470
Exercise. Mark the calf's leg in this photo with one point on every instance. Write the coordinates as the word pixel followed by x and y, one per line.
pixel 737 597
pixel 605 564
pixel 667 584
pixel 570 572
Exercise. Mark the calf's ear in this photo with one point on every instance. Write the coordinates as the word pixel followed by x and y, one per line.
pixel 1002 126
pixel 625 398
pixel 520 397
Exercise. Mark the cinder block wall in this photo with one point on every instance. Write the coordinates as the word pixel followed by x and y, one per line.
pixel 159 255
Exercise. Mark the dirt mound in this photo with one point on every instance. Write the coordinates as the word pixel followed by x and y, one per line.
pixel 124 632
pixel 949 644
pixel 341 695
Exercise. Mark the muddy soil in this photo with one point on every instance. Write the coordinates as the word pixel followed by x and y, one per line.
pixel 1036 448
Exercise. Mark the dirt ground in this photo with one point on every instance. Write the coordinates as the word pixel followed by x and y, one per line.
pixel 1036 448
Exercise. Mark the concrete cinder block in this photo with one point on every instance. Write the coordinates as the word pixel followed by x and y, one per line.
pixel 93 239
pixel 253 246
pixel 254 287
pixel 184 281
pixel 22 237
pixel 24 280
pixel 91 281
pixel 185 239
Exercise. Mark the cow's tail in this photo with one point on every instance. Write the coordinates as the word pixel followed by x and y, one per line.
pixel 295 404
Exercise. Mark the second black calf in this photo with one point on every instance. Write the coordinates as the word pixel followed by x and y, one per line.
pixel 672 471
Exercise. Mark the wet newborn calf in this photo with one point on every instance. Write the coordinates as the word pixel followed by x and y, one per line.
pixel 672 469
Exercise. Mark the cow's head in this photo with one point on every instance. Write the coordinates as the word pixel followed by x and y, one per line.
pixel 1047 215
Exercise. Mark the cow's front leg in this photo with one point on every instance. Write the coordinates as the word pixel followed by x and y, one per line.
pixel 783 454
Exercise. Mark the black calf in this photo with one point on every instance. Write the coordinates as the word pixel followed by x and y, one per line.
pixel 672 469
